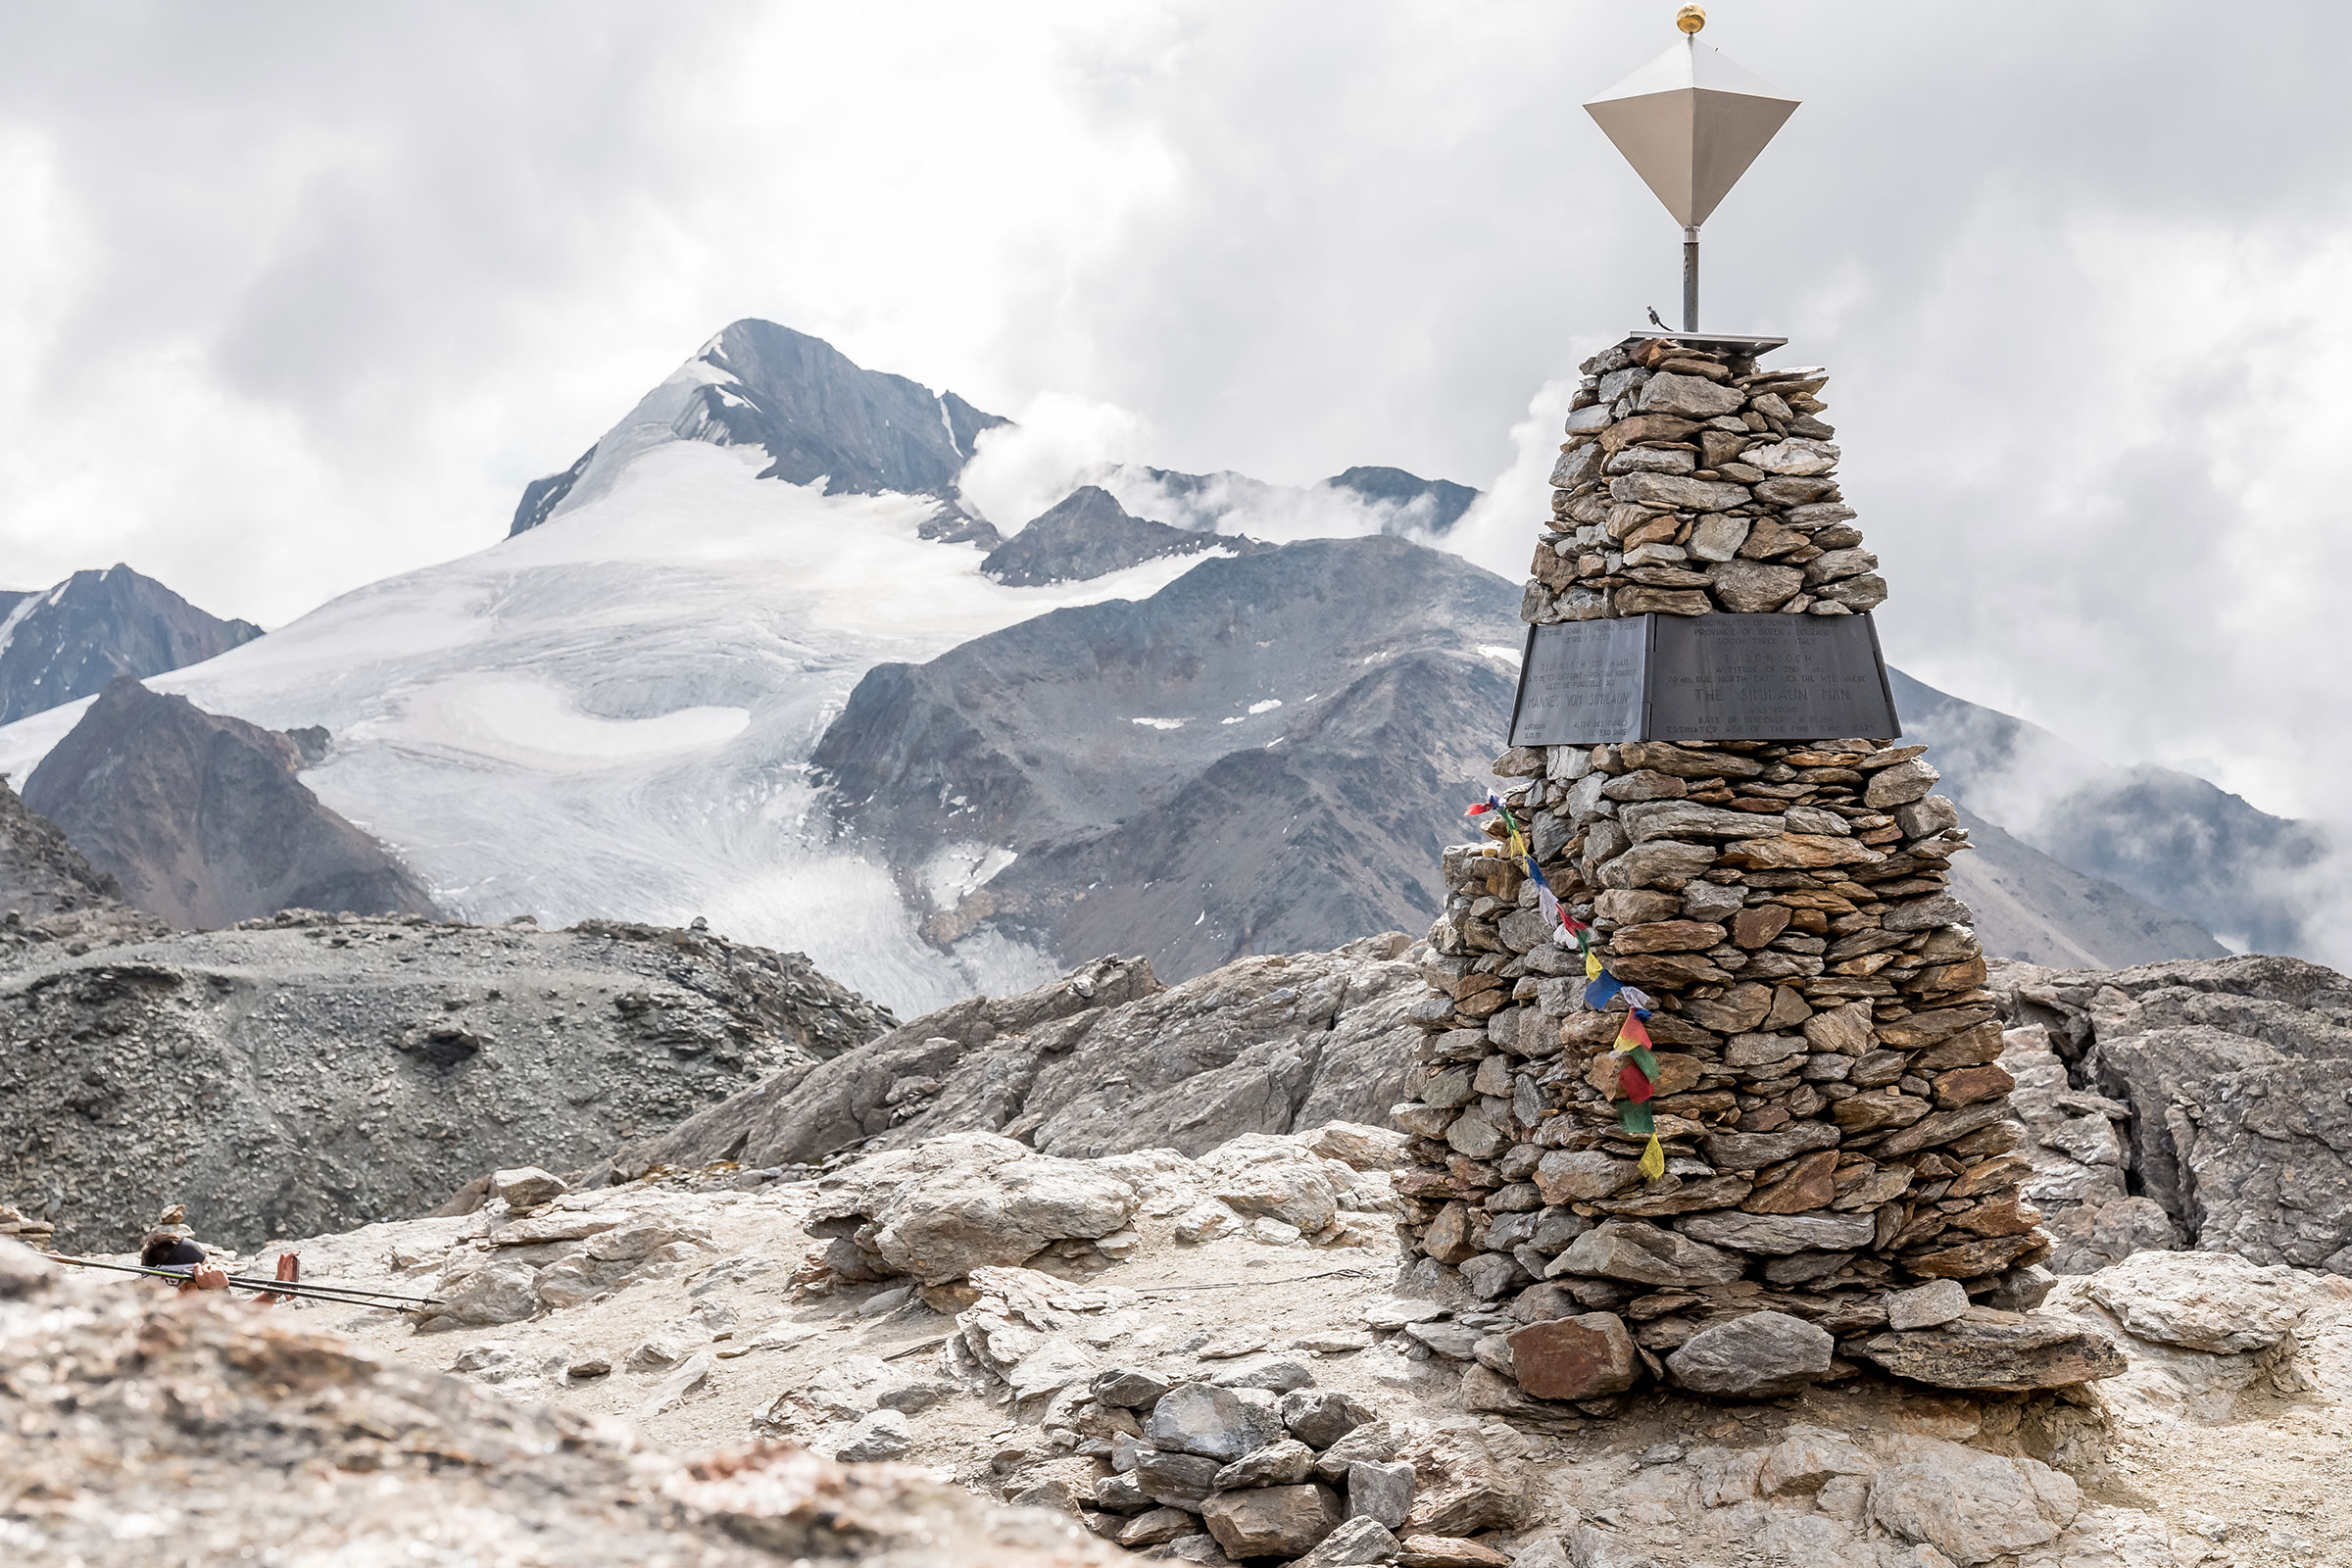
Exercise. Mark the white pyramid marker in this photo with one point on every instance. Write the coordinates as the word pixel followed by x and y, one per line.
pixel 1690 122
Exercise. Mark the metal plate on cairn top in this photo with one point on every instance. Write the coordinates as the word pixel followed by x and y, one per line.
pixel 1703 678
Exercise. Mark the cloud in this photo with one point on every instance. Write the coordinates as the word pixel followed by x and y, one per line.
pixel 1057 444
pixel 296 299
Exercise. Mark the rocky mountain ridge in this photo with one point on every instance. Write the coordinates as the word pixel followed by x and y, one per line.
pixel 68 640
pixel 201 820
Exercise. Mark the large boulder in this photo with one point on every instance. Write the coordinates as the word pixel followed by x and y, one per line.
pixel 970 1200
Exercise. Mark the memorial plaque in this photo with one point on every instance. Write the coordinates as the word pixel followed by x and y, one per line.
pixel 1703 678
pixel 1582 678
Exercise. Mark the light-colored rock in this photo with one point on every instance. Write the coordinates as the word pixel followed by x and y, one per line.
pixel 974 1200
pixel 1759 1355
pixel 1926 1306
pixel 527 1187
pixel 1753 587
pixel 1354 1543
pixel 2203 1300
pixel 1797 457
pixel 1199 1418
pixel 2037 1351
pixel 1634 1249
pixel 882 1435
pixel 1806 1458
pixel 1970 1505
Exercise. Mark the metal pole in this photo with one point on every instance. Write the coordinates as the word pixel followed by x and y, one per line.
pixel 347 1295
pixel 1690 278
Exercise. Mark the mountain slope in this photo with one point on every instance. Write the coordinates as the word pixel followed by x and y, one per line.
pixel 813 411
pixel 2171 838
pixel 201 820
pixel 49 893
pixel 1267 755
pixel 66 642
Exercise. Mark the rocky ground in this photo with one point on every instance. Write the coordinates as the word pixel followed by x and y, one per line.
pixel 50 896
pixel 312 1072
pixel 1178 1365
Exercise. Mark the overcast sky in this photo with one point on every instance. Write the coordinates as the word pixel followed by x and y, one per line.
pixel 294 296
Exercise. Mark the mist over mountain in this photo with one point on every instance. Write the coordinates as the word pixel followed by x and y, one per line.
pixel 66 642
pixel 2174 840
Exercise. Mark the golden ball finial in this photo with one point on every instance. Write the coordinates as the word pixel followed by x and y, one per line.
pixel 1691 17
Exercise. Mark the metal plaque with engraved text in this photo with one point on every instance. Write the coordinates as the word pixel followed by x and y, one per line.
pixel 1703 677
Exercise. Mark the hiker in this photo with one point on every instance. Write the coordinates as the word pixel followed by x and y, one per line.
pixel 163 1249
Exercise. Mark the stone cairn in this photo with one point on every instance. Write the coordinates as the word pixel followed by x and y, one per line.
pixel 1834 1122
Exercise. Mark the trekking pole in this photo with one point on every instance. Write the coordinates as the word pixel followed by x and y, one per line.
pixel 348 1294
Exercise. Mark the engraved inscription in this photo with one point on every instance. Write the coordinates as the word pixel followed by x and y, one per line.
pixel 1768 678
pixel 1699 678
pixel 1581 683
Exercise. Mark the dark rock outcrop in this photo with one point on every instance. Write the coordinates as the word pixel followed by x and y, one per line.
pixel 49 894
pixel 312 1073
pixel 1103 1061
pixel 202 820
pixel 62 643
pixel 1088 534
pixel 814 412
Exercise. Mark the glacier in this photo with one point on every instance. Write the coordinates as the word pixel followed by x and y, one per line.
pixel 611 716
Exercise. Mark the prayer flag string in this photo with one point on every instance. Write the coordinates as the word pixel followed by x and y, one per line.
pixel 1637 1071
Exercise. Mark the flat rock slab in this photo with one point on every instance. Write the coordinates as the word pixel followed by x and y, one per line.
pixel 1272 1521
pixel 2034 1352
pixel 1759 1356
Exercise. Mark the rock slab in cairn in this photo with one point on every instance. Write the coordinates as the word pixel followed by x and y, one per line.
pixel 1830 1103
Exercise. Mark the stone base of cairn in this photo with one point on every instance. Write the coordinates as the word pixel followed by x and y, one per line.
pixel 1836 1126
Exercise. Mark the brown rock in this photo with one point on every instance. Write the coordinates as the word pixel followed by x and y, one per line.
pixel 1447 1551
pixel 1965 1086
pixel 1943 1127
pixel 1755 926
pixel 1645 427
pixel 1685 762
pixel 1749 587
pixel 1789 1009
pixel 1691 1196
pixel 1767 541
pixel 1972 1259
pixel 1841 1031
pixel 1669 971
pixel 1971 1047
pixel 1666 936
pixel 1812 1184
pixel 1867 1113
pixel 1798 852
pixel 2034 1352
pixel 1628 906
pixel 1952 976
pixel 1999 1216
pixel 1926 1028
pixel 1663 602
pixel 1448 1239
pixel 1580 1176
pixel 1736 1012
pixel 1583 1357
pixel 1272 1521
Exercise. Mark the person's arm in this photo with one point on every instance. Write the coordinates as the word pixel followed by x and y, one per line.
pixel 205 1277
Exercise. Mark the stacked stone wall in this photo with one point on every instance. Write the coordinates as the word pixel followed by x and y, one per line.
pixel 1830 1105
